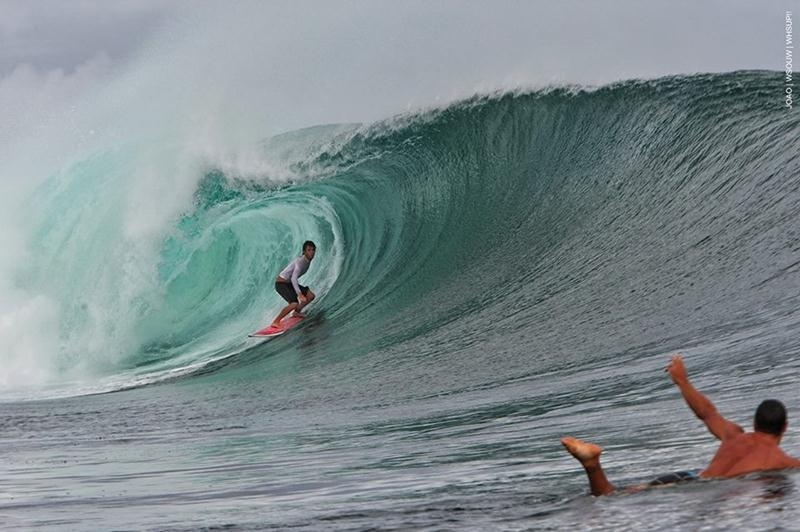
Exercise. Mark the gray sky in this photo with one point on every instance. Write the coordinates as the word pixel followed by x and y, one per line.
pixel 51 34
pixel 58 33
pixel 340 61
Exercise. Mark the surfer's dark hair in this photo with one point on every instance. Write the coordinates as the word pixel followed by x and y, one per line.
pixel 770 417
pixel 308 244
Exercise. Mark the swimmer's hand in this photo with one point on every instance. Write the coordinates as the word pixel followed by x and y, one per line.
pixel 677 370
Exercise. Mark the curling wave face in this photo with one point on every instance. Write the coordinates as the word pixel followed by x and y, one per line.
pixel 527 231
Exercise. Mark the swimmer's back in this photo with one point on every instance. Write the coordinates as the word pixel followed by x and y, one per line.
pixel 747 453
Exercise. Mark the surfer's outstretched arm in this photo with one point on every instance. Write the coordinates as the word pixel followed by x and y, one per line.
pixel 588 454
pixel 701 405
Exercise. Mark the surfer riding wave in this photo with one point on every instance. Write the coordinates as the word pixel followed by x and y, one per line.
pixel 289 288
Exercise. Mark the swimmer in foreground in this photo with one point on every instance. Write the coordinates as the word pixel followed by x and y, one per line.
pixel 739 453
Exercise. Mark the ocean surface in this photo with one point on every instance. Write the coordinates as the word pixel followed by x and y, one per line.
pixel 493 274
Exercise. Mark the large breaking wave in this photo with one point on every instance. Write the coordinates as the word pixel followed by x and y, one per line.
pixel 568 223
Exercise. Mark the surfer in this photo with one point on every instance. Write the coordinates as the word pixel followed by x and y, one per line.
pixel 739 453
pixel 287 285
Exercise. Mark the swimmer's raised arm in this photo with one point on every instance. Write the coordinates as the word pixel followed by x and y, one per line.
pixel 701 405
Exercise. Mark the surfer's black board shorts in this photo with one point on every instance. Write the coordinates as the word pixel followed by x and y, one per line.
pixel 286 291
pixel 674 478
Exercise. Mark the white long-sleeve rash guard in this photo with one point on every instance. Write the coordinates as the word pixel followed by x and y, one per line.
pixel 294 270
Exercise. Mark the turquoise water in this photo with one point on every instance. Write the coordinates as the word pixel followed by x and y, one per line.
pixel 493 275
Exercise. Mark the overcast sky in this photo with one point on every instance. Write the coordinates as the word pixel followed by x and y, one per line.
pixel 59 33
pixel 360 60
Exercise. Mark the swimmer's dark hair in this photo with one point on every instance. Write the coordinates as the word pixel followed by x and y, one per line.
pixel 770 417
pixel 308 244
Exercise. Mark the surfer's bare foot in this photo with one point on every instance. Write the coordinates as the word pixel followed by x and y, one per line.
pixel 586 453
pixel 299 314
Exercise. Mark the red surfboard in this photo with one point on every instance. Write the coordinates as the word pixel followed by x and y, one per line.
pixel 286 323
